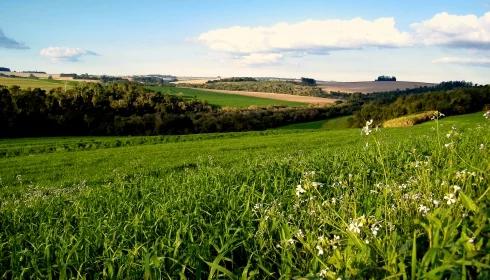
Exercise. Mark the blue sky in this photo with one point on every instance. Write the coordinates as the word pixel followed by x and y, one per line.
pixel 196 38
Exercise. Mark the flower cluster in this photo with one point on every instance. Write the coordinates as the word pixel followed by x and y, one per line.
pixel 307 183
pixel 325 243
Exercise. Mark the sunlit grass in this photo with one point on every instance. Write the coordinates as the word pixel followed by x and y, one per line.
pixel 397 203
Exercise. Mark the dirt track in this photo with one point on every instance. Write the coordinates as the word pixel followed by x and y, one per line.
pixel 277 96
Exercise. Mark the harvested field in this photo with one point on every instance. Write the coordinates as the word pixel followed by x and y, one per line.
pixel 369 86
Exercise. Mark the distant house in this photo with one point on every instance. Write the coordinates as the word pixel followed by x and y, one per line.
pixel 4 69
pixel 386 79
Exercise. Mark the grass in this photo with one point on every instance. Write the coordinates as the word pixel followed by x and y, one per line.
pixel 260 205
pixel 335 123
pixel 35 83
pixel 222 99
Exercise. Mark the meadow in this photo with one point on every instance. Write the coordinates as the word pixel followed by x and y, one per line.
pixel 322 204
pixel 222 99
pixel 35 83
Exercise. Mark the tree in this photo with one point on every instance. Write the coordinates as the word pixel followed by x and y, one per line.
pixel 308 82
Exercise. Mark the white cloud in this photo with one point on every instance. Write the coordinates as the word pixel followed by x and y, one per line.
pixel 269 44
pixel 65 54
pixel 307 37
pixel 8 43
pixel 260 58
pixel 459 31
pixel 473 61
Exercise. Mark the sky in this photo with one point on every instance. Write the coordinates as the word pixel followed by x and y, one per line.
pixel 430 41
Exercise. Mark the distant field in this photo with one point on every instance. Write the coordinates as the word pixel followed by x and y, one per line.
pixel 277 96
pixel 369 86
pixel 34 83
pixel 223 99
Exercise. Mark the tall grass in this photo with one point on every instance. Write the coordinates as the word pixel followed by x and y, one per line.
pixel 407 204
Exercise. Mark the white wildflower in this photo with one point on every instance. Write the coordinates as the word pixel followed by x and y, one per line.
pixel 448 145
pixel 367 128
pixel 423 209
pixel 456 188
pixel 356 225
pixel 323 273
pixel 487 115
pixel 482 147
pixel 299 190
pixel 320 249
pixel 290 241
pixel 300 234
pixel 435 202
pixel 374 229
pixel 450 198
pixel 316 184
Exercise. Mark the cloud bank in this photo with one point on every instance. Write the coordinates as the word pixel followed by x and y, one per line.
pixel 8 43
pixel 66 54
pixel 468 31
pixel 269 44
pixel 473 61
pixel 307 37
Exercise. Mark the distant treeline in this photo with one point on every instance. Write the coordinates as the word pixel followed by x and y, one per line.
pixel 130 109
pixel 266 86
pixel 234 79
pixel 462 100
pixel 154 79
pixel 386 79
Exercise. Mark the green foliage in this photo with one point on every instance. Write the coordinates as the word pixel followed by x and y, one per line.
pixel 131 109
pixel 315 204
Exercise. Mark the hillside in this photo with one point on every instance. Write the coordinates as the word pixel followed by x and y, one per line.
pixel 268 205
pixel 369 86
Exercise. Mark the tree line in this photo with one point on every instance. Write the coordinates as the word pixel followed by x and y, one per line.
pixel 462 100
pixel 130 109
pixel 285 87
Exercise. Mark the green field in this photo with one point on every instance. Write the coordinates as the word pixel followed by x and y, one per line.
pixel 262 205
pixel 35 83
pixel 222 99
pixel 335 123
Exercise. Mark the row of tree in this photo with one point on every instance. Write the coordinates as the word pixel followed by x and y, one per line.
pixel 285 87
pixel 130 109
